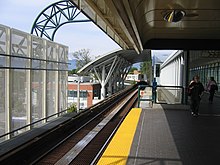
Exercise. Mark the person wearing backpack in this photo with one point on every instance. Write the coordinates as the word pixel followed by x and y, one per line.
pixel 211 88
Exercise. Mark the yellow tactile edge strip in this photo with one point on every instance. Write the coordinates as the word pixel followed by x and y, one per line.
pixel 119 148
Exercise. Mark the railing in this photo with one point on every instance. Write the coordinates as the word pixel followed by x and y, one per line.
pixel 145 93
pixel 33 123
pixel 160 94
pixel 107 100
pixel 170 94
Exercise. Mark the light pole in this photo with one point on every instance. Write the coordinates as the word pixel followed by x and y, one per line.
pixel 78 93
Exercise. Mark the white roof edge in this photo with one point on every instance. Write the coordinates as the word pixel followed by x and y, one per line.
pixel 171 57
pixel 104 55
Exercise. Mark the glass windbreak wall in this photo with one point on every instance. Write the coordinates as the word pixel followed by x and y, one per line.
pixel 207 71
pixel 33 80
pixel 2 100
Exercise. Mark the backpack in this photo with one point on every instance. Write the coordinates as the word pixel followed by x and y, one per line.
pixel 214 87
pixel 189 91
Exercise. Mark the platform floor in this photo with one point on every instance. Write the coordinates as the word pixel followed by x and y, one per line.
pixel 169 135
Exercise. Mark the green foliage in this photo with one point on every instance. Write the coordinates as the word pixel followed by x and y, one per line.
pixel 74 71
pixel 72 108
pixel 132 69
pixel 82 58
pixel 146 68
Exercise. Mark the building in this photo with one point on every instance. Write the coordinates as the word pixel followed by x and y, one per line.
pixel 76 78
pixel 136 76
pixel 89 94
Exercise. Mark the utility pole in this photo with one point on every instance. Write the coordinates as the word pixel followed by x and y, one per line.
pixel 78 93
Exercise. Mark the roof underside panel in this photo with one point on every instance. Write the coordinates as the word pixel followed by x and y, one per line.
pixel 138 24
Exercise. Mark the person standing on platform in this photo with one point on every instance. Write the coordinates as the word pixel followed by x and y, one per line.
pixel 211 88
pixel 154 90
pixel 196 90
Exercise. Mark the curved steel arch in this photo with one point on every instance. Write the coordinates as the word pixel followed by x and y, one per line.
pixel 54 16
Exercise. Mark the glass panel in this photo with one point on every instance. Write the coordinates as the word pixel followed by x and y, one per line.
pixel 41 49
pixel 61 54
pixel 2 40
pixel 145 96
pixel 19 62
pixel 63 90
pixel 62 66
pixel 38 48
pixel 70 93
pixel 37 93
pixel 218 76
pixel 2 61
pixel 36 64
pixel 51 51
pixel 51 92
pixel 19 43
pixel 169 95
pixel 19 98
pixel 75 94
pixel 2 102
pixel 52 65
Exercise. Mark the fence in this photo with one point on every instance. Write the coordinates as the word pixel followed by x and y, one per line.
pixel 161 94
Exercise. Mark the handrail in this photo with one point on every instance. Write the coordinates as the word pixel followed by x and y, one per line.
pixel 58 113
pixel 139 99
pixel 154 95
pixel 46 118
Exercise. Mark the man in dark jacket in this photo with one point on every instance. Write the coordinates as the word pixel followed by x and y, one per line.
pixel 196 89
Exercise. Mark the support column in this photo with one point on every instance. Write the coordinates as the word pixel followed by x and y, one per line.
pixel 115 84
pixel 57 82
pixel 186 75
pixel 28 85
pixel 110 87
pixel 8 86
pixel 103 83
pixel 78 94
pixel 44 93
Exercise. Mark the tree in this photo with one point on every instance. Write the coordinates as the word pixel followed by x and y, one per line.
pixel 132 69
pixel 146 68
pixel 82 58
pixel 73 71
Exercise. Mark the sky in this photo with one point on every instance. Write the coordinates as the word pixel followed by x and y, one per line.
pixel 21 14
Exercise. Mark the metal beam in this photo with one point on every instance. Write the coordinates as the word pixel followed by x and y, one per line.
pixel 54 16
pixel 122 24
pixel 133 24
pixel 103 17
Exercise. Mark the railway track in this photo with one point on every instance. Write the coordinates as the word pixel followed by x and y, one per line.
pixel 87 139
pixel 84 146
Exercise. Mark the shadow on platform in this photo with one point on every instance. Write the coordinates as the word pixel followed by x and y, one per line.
pixel 168 134
pixel 197 138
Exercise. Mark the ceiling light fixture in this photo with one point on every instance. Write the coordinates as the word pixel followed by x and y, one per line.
pixel 174 15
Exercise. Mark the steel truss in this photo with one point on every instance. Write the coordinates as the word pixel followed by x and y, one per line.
pixel 54 16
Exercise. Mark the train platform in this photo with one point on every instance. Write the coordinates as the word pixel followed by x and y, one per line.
pixel 168 134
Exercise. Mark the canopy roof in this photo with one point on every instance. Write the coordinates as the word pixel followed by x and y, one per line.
pixel 157 24
pixel 130 56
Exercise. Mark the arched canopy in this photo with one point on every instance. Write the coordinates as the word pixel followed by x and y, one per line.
pixel 54 16
pixel 129 56
pixel 113 68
